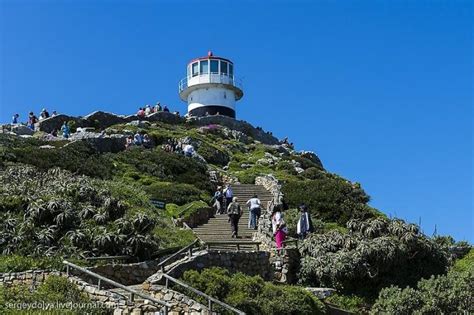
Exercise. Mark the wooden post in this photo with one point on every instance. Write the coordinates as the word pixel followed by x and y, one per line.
pixel 132 297
pixel 166 283
pixel 238 246
pixel 190 252
pixel 210 305
pixel 67 270
pixel 98 284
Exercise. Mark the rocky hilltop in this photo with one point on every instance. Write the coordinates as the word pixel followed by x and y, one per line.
pixel 101 192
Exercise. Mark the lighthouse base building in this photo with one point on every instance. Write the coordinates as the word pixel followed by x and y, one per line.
pixel 210 87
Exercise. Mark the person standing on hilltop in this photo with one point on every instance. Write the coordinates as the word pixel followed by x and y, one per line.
pixel 15 119
pixel 254 208
pixel 157 107
pixel 166 109
pixel 147 110
pixel 234 212
pixel 228 194
pixel 32 120
pixel 304 225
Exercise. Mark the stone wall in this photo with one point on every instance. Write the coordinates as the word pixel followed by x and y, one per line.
pixel 126 274
pixel 272 185
pixel 286 262
pixel 116 300
pixel 30 277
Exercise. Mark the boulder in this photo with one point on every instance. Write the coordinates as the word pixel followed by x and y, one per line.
pixel 102 120
pixel 22 130
pixel 139 123
pixel 55 122
pixel 239 125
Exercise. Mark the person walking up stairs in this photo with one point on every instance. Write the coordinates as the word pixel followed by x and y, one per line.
pixel 218 227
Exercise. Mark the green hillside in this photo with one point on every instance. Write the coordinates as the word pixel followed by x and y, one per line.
pixel 71 199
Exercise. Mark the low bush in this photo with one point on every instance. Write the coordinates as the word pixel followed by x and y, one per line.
pixel 77 157
pixel 17 263
pixel 330 199
pixel 177 193
pixel 251 294
pixel 374 254
pixel 53 290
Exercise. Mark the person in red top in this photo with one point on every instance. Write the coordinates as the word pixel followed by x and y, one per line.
pixel 141 112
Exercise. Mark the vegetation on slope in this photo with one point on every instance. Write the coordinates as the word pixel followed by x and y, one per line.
pixel 442 294
pixel 252 294
pixel 374 254
pixel 56 294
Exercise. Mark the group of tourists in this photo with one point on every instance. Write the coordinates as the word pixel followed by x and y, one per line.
pixel 224 201
pixel 32 118
pixel 148 110
pixel 139 139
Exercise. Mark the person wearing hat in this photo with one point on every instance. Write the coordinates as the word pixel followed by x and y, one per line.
pixel 304 225
pixel 44 114
pixel 234 212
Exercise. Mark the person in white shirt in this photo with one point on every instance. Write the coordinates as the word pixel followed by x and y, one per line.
pixel 254 208
pixel 147 110
pixel 188 150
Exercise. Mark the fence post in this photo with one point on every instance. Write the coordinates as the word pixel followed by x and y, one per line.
pixel 209 304
pixel 166 283
pixel 190 252
pixel 67 270
pixel 132 296
pixel 98 284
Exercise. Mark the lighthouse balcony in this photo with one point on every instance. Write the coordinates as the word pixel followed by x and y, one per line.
pixel 190 83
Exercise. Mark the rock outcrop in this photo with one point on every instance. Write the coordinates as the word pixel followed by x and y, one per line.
pixel 239 125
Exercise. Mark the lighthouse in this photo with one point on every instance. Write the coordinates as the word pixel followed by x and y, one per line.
pixel 210 87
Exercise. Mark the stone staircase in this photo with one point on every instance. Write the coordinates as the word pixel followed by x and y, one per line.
pixel 218 228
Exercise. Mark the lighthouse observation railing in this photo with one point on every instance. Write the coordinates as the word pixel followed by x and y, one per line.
pixel 209 78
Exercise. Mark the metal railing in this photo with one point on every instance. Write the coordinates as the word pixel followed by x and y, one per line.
pixel 188 249
pixel 133 293
pixel 210 299
pixel 210 78
pixel 209 244
pixel 121 258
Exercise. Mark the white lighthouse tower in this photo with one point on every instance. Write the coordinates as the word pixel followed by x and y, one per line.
pixel 210 87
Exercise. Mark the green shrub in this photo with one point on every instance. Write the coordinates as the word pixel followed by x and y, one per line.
pixel 352 303
pixel 78 157
pixel 444 294
pixel 330 199
pixel 213 155
pixel 163 166
pixel 374 254
pixel 177 193
pixel 251 294
pixel 17 263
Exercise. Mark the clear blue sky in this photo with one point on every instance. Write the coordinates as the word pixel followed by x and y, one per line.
pixel 381 90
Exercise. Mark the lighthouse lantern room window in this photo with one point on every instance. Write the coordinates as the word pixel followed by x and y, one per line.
pixel 212 66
